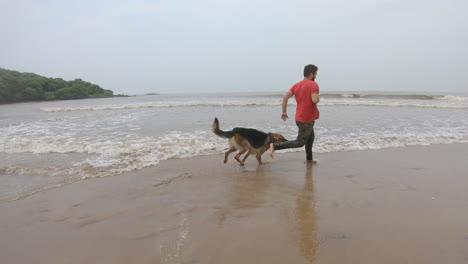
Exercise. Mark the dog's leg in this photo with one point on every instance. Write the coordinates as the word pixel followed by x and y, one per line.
pixel 245 157
pixel 227 154
pixel 238 156
pixel 259 158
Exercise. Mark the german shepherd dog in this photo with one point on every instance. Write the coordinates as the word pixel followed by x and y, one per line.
pixel 247 140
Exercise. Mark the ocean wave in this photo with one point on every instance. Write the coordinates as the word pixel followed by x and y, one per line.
pixel 394 96
pixel 381 96
pixel 364 95
pixel 109 156
pixel 344 102
pixel 110 145
pixel 154 105
pixel 325 101
pixel 453 98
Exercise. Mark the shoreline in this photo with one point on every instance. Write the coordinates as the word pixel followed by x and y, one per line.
pixel 392 205
pixel 265 157
pixel 57 100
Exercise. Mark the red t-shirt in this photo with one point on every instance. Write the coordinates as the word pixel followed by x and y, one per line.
pixel 306 110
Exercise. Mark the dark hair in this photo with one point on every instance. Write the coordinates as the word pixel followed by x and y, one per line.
pixel 308 69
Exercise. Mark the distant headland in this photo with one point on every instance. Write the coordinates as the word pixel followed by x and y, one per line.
pixel 22 87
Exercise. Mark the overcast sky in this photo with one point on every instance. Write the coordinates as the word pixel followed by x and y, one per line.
pixel 137 47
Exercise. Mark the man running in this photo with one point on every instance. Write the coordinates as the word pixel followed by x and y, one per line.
pixel 306 93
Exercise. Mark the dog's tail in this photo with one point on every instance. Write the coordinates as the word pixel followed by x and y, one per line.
pixel 219 132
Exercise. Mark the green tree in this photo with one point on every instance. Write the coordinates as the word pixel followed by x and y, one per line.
pixel 94 89
pixel 4 94
pixel 50 96
pixel 30 94
pixel 78 91
pixel 64 93
pixel 16 87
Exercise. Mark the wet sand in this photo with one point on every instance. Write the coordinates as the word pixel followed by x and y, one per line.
pixel 401 205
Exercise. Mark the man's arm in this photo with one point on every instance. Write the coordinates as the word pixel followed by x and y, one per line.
pixel 286 97
pixel 315 98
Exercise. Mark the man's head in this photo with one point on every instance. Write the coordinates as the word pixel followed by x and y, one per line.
pixel 310 72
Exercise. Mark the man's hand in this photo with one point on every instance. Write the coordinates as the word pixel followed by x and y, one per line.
pixel 284 116
pixel 284 105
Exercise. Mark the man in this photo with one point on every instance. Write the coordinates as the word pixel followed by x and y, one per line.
pixel 306 93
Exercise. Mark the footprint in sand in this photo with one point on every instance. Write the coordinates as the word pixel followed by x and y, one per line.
pixel 95 220
pixel 185 175
pixel 62 219
pixel 335 236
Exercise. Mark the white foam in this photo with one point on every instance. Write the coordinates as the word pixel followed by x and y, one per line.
pixel 155 105
pixel 110 155
pixel 352 95
pixel 453 98
pixel 105 149
pixel 392 103
pixel 448 102
pixel 109 143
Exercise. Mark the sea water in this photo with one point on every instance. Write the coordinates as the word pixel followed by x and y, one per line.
pixel 49 144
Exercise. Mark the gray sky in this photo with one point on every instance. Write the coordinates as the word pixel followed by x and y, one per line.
pixel 137 47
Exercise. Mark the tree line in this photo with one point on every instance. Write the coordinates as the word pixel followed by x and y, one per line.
pixel 18 87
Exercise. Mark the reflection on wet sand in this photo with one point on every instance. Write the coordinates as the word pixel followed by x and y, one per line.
pixel 247 192
pixel 250 191
pixel 306 219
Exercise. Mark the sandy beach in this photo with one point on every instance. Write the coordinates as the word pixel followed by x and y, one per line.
pixel 397 205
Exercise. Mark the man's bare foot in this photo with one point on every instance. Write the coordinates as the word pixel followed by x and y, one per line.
pixel 310 162
pixel 272 150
